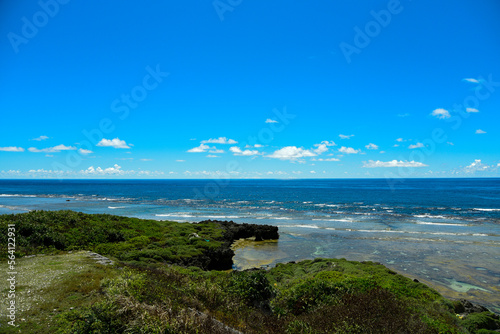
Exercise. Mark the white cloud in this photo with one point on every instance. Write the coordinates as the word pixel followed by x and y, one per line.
pixel 417 145
pixel 146 159
pixel 256 146
pixel 41 138
pixel 327 143
pixel 115 143
pixel 469 110
pixel 54 149
pixel 328 159
pixel 345 136
pixel 393 163
pixel 312 172
pixel 200 149
pixel 480 132
pixel 321 149
pixel 271 121
pixel 180 160
pixel 441 113
pixel 348 150
pixel 90 172
pixel 291 153
pixel 220 140
pixel 323 146
pixel 476 166
pixel 471 80
pixel 84 151
pixel 12 149
pixel 216 151
pixel 212 156
pixel 237 151
pixel 115 170
pixel 372 146
pixel 450 143
pixel 400 140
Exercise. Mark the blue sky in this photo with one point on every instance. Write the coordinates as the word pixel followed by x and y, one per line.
pixel 249 89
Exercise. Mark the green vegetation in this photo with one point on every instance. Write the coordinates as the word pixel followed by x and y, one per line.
pixel 126 239
pixel 156 294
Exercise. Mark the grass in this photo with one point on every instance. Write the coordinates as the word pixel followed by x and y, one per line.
pixel 126 239
pixel 48 285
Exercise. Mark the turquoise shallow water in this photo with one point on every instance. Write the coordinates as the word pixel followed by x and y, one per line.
pixel 445 232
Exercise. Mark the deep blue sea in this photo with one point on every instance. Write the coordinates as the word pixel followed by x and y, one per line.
pixel 445 232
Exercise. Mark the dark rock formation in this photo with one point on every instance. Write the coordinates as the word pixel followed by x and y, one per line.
pixel 466 307
pixel 222 257
pixel 233 231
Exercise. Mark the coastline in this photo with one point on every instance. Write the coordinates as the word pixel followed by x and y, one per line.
pixel 324 285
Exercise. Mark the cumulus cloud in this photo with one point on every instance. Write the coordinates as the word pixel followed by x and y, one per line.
pixel 115 170
pixel 220 140
pixel 271 121
pixel 476 166
pixel 12 149
pixel 91 172
pixel 371 146
pixel 216 151
pixel 417 145
pixel 400 140
pixel 40 138
pixel 345 136
pixel 469 110
pixel 441 113
pixel 348 150
pixel 291 153
pixel 480 132
pixel 54 149
pixel 256 146
pixel 237 151
pixel 393 163
pixel 199 149
pixel 323 146
pixel 84 151
pixel 115 143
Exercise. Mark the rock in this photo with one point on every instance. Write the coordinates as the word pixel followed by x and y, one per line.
pixel 235 231
pixel 469 307
pixel 222 257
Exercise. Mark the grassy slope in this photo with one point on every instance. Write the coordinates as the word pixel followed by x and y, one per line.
pixel 49 285
pixel 149 296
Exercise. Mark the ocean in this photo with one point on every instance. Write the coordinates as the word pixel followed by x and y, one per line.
pixel 443 232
